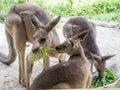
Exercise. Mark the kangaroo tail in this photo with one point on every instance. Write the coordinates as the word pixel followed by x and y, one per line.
pixel 12 52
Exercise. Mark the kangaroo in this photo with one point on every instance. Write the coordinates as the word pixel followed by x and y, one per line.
pixel 79 24
pixel 74 73
pixel 43 37
pixel 22 21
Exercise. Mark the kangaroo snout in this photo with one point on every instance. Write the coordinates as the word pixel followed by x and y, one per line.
pixel 35 50
pixel 36 47
pixel 58 48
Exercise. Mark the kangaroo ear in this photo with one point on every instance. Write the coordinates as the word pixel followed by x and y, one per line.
pixel 82 35
pixel 52 24
pixel 107 57
pixel 36 22
pixel 95 57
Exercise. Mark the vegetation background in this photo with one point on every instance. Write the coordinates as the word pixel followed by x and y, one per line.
pixel 104 10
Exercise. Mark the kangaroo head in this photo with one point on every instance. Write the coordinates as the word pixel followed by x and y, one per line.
pixel 101 63
pixel 70 30
pixel 71 44
pixel 41 36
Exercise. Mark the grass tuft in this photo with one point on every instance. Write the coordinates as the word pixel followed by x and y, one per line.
pixel 44 52
pixel 105 10
pixel 109 77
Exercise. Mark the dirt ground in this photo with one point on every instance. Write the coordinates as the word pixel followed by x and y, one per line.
pixel 108 40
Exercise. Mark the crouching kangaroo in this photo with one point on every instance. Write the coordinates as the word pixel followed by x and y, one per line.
pixel 78 24
pixel 74 73
pixel 19 29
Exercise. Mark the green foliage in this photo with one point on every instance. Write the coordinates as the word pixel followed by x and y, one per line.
pixel 5 6
pixel 2 18
pixel 91 10
pixel 105 10
pixel 42 52
pixel 109 77
pixel 112 16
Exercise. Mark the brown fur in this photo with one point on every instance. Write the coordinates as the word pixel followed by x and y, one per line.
pixel 78 24
pixel 74 73
pixel 22 21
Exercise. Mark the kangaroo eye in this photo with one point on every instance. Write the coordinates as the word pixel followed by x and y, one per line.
pixel 71 42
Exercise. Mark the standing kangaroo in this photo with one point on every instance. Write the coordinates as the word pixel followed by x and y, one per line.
pixel 19 29
pixel 45 36
pixel 74 73
pixel 78 24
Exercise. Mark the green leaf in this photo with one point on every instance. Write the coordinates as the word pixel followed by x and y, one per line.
pixel 44 52
pixel 109 77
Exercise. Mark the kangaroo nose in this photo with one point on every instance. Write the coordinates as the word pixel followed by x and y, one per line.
pixel 36 47
pixel 58 48
pixel 35 50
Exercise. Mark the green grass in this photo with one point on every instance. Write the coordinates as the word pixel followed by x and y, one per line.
pixel 105 10
pixel 44 52
pixel 2 18
pixel 109 77
pixel 5 6
pixel 113 16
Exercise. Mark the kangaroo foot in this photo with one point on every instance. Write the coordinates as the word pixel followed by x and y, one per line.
pixel 22 82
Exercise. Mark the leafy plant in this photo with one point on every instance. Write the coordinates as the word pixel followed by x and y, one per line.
pixel 2 18
pixel 109 77
pixel 91 9
pixel 43 52
pixel 5 6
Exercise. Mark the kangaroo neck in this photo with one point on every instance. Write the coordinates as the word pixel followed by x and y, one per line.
pixel 81 52
pixel 78 53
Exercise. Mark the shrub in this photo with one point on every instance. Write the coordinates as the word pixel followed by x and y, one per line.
pixel 92 9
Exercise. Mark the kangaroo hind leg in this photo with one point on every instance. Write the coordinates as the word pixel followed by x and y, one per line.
pixel 20 43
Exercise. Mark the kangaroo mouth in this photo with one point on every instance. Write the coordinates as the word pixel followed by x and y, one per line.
pixel 35 50
pixel 59 50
